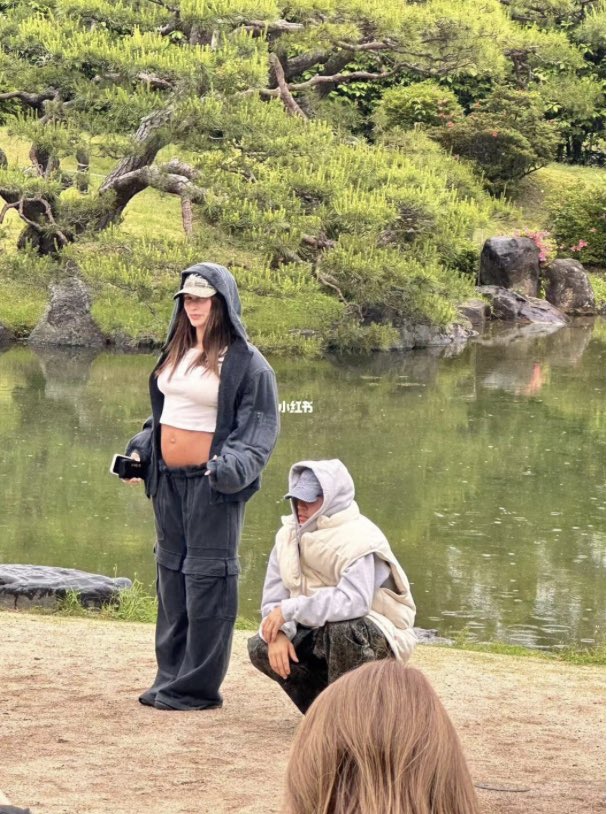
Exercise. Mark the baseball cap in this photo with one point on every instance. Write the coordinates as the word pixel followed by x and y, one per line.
pixel 196 286
pixel 307 487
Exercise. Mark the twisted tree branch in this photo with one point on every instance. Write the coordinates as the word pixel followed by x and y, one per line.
pixel 287 99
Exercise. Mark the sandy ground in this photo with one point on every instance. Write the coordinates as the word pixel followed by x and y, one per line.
pixel 74 739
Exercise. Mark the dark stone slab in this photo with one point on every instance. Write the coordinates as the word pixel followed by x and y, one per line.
pixel 516 307
pixel 23 586
pixel 511 262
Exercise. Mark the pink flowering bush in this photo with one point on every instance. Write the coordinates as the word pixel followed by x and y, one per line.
pixel 581 244
pixel 545 243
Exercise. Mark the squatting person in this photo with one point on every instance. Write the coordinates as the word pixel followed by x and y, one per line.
pixel 213 426
pixel 334 595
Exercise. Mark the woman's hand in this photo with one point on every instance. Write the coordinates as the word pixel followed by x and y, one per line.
pixel 279 653
pixel 136 457
pixel 270 627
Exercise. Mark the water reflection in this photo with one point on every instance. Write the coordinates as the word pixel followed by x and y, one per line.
pixel 483 468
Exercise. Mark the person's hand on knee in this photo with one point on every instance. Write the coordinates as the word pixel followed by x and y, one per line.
pixel 280 653
pixel 271 625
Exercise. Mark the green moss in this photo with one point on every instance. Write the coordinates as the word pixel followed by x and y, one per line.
pixel 406 221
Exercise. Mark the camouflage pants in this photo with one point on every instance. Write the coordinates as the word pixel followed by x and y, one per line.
pixel 325 653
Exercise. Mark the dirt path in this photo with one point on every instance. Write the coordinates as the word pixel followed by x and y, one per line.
pixel 74 740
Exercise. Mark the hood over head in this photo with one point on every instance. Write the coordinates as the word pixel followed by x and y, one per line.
pixel 224 283
pixel 336 483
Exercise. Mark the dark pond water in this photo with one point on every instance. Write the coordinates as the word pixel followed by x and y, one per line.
pixel 485 469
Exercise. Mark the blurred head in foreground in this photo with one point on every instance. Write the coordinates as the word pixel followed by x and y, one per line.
pixel 378 741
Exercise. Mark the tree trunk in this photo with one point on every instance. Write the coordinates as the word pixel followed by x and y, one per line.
pixel 333 66
pixel 151 138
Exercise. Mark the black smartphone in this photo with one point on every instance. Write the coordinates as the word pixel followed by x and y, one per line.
pixel 126 467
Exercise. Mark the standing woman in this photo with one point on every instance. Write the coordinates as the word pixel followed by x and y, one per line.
pixel 213 426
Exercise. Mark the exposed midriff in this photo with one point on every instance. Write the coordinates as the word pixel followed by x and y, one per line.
pixel 184 447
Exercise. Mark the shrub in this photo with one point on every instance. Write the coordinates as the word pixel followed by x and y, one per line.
pixel 424 103
pixel 389 287
pixel 546 245
pixel 349 336
pixel 577 222
pixel 507 137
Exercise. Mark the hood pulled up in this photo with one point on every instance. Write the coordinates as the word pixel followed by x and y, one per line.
pixel 337 488
pixel 225 284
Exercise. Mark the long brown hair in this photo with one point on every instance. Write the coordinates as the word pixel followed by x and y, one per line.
pixel 217 336
pixel 378 741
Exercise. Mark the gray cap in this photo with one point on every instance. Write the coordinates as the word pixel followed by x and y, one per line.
pixel 307 487
pixel 196 286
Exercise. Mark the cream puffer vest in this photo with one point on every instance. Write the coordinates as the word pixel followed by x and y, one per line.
pixel 322 555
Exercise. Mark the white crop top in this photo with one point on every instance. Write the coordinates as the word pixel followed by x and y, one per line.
pixel 190 397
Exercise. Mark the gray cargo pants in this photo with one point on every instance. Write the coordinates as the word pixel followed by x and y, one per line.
pixel 197 587
pixel 325 653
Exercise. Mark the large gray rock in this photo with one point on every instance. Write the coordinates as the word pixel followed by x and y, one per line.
pixel 22 586
pixel 511 262
pixel 68 320
pixel 568 287
pixel 515 307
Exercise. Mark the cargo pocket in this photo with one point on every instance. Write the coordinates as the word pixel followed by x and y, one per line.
pixel 211 587
pixel 169 559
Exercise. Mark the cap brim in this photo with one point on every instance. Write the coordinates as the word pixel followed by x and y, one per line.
pixel 306 499
pixel 187 291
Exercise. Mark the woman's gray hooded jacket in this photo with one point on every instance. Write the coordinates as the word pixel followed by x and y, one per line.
pixel 247 408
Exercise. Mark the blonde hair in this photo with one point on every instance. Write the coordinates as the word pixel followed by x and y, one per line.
pixel 378 741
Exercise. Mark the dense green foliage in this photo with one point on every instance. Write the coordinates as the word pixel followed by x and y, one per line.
pixel 256 118
pixel 577 217
pixel 426 103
